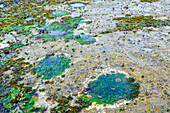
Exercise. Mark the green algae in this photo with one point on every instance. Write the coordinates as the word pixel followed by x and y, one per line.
pixel 110 88
pixel 52 66
pixel 17 94
pixel 4 62
pixel 17 45
pixel 20 67
pixel 45 37
pixel 20 15
pixel 64 105
pixel 42 90
pixel 63 29
pixel 66 24
pixel 23 18
pixel 82 38
pixel 14 45
pixel 68 37
pixel 138 22
pixel 85 39
pixel 13 94
pixel 84 101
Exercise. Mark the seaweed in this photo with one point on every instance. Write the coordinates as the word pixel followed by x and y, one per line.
pixel 51 67
pixel 64 104
pixel 110 88
pixel 138 22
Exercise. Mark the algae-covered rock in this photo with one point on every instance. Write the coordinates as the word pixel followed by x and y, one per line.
pixel 110 88
pixel 52 66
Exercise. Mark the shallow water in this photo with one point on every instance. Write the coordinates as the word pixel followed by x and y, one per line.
pixel 57 33
pixel 143 55
pixel 77 5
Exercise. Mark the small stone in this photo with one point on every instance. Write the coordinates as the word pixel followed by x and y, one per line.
pixel 6 51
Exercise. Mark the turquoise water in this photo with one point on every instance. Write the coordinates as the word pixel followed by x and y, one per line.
pixel 110 88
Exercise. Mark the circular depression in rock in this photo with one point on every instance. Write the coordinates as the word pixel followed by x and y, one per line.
pixel 110 88
pixel 60 13
pixel 78 4
pixel 52 66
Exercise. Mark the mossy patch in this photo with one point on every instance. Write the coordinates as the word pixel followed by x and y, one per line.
pixel 110 88
pixel 138 22
pixel 22 18
pixel 64 105
pixel 17 45
pixel 84 101
pixel 14 46
pixel 19 66
pixel 17 16
pixel 18 96
pixel 45 37
pixel 62 29
pixel 52 66
pixel 13 94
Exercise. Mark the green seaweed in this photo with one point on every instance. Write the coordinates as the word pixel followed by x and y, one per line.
pixel 64 105
pixel 17 45
pixel 84 101
pixel 14 46
pixel 67 25
pixel 108 89
pixel 13 94
pixel 18 15
pixel 135 23
pixel 52 67
pixel 138 22
pixel 18 96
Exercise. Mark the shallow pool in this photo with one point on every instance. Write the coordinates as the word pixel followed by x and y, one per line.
pixel 77 5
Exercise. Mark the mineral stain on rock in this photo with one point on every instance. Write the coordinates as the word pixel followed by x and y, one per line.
pixel 52 66
pixel 110 88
